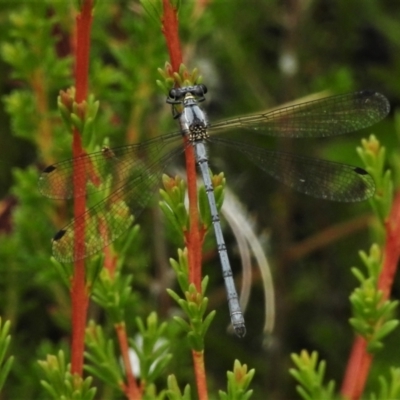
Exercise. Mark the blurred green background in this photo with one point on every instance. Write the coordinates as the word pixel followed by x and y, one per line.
pixel 253 55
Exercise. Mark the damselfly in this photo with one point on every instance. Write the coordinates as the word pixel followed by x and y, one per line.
pixel 132 173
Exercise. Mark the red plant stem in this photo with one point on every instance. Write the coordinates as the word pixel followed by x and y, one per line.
pixel 131 391
pixel 79 292
pixel 392 249
pixel 360 360
pixel 194 238
pixel 110 260
pixel 171 32
pixel 200 373
pixel 357 370
pixel 83 28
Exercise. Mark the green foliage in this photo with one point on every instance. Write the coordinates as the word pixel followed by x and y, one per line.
pixel 5 364
pixel 112 293
pixel 374 157
pixel 389 388
pixel 174 209
pixel 193 304
pixel 31 52
pixel 181 269
pixel 78 115
pixel 61 384
pixel 174 393
pixel 153 9
pixel 310 374
pixel 151 348
pixel 372 317
pixel 101 354
pixel 173 206
pixel 238 381
pixel 181 78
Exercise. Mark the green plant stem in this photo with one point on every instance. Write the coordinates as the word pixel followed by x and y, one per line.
pixel 360 360
pixel 79 292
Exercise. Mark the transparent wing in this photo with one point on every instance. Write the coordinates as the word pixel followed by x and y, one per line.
pixel 330 116
pixel 131 181
pixel 314 177
pixel 110 218
pixel 101 170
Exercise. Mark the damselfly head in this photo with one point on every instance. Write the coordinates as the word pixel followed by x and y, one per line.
pixel 176 95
